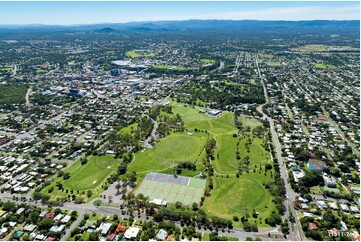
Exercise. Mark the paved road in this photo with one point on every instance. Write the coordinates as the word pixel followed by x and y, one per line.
pixel 15 69
pixel 72 227
pixel 152 135
pixel 27 102
pixel 341 133
pixel 110 211
pixel 295 234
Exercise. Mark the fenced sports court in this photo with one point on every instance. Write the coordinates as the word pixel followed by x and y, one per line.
pixel 172 189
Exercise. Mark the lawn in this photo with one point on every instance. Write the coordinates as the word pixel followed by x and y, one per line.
pixel 41 71
pixel 226 151
pixel 168 152
pixel 6 69
pixel 162 67
pixel 268 56
pixel 194 119
pixel 319 47
pixel 92 174
pixel 208 61
pixel 324 66
pixel 238 196
pixel 226 162
pixel 258 155
pixel 134 54
pixel 165 67
pixel 251 122
pixel 128 129
pixel 85 177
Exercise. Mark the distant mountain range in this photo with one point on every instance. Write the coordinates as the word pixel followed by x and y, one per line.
pixel 194 25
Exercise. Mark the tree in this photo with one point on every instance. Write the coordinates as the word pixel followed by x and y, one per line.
pixel 45 223
pixel 94 236
pixel 178 204
pixel 118 186
pixel 66 175
pixel 89 193
pixel 195 206
pixel 9 207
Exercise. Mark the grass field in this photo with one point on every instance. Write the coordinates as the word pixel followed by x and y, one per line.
pixel 230 196
pixel 6 69
pixel 86 177
pixel 267 56
pixel 41 71
pixel 128 129
pixel 250 122
pixel 239 196
pixel 208 61
pixel 322 48
pixel 226 162
pixel 92 174
pixel 134 54
pixel 162 67
pixel 165 67
pixel 171 150
pixel 324 66
pixel 193 119
pixel 226 150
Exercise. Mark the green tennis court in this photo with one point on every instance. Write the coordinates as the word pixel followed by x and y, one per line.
pixel 172 189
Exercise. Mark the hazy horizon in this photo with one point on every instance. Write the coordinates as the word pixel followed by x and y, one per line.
pixel 85 13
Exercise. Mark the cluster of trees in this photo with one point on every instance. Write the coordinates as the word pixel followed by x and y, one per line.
pixel 13 93
pixel 277 189
pixel 155 111
pixel 210 146
pixel 192 218
pixel 311 178
pixel 220 97
pixel 189 165
pixel 306 107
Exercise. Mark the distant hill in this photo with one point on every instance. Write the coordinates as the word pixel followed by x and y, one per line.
pixel 105 30
pixel 226 26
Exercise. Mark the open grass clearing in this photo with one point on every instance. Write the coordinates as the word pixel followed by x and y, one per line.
pixel 226 161
pixel 129 129
pixel 85 177
pixel 324 66
pixel 41 71
pixel 168 152
pixel 166 67
pixel 208 61
pixel 250 122
pixel 267 56
pixel 322 48
pixel 6 69
pixel 133 54
pixel 238 196
pixel 193 119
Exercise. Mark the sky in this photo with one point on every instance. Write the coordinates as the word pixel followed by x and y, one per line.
pixel 68 13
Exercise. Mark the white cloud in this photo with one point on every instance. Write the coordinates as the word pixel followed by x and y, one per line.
pixel 287 13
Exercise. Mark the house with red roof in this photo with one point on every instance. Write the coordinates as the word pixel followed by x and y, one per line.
pixel 312 226
pixel 121 228
pixel 50 215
